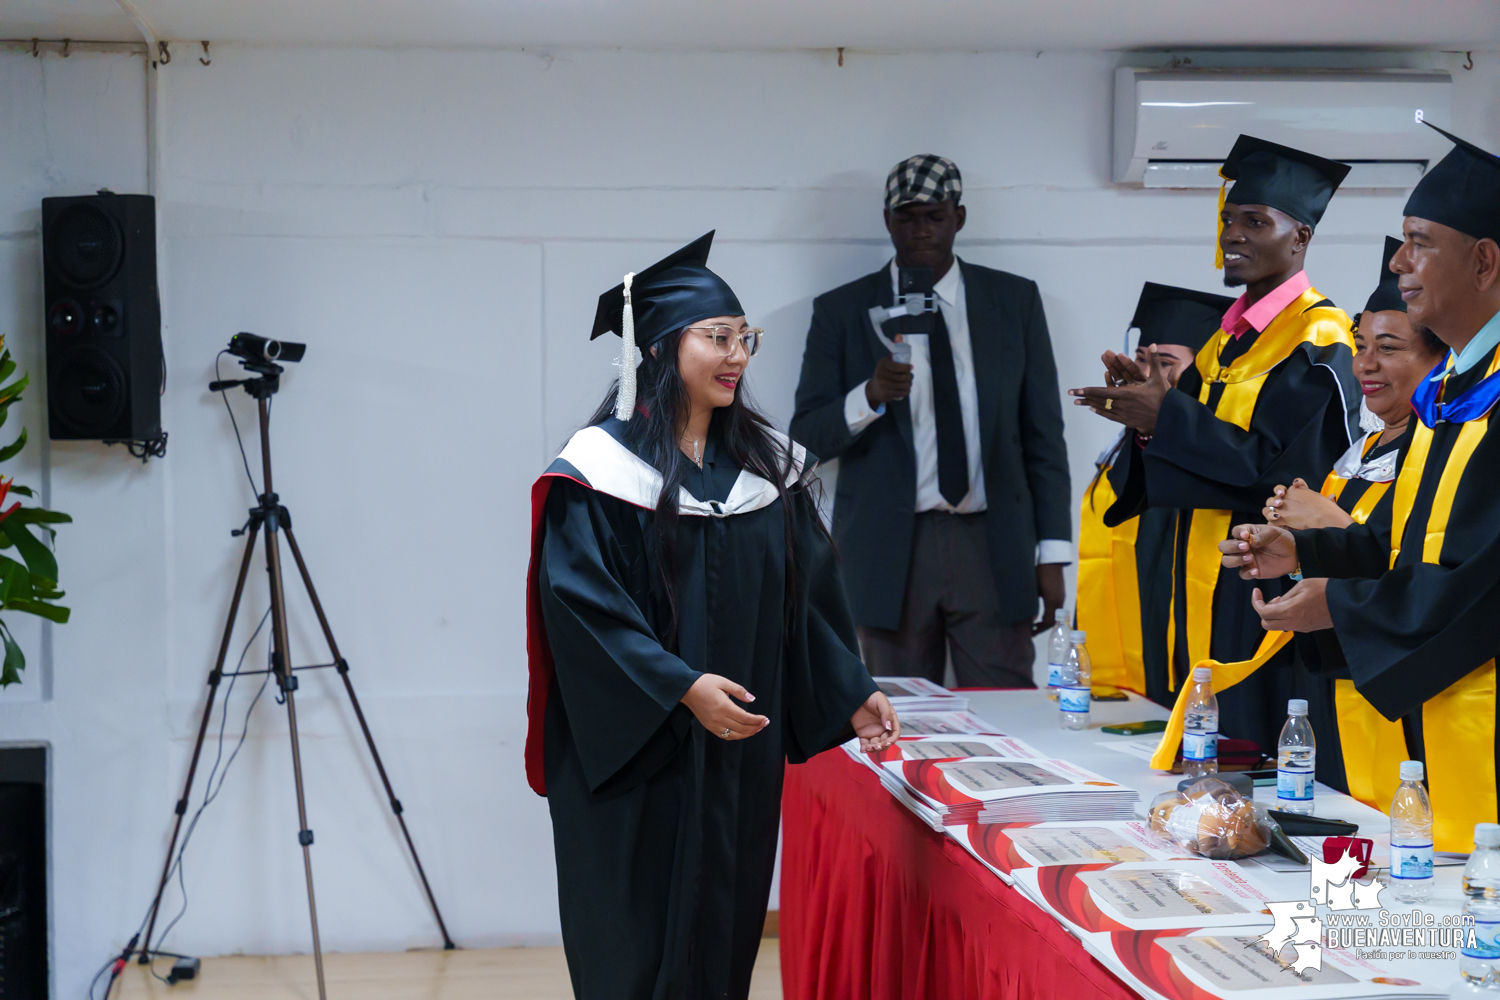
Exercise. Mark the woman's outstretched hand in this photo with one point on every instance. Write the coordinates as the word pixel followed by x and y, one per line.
pixel 711 699
pixel 875 723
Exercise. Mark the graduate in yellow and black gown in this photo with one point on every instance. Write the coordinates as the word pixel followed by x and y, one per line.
pixel 688 636
pixel 1358 750
pixel 1125 571
pixel 1270 398
pixel 1416 608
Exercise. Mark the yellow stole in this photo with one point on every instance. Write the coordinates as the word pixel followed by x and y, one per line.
pixel 1375 740
pixel 1243 379
pixel 1109 600
pixel 1458 724
pixel 1373 747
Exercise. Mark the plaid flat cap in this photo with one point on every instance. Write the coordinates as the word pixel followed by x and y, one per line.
pixel 925 178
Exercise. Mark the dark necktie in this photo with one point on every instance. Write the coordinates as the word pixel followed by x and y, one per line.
pixel 953 456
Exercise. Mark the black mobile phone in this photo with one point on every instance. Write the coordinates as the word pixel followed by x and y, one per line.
pixel 1297 825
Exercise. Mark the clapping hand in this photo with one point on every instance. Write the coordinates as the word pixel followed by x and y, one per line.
pixel 1133 397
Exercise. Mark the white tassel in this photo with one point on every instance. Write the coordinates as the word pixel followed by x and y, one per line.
pixel 625 399
pixel 1368 421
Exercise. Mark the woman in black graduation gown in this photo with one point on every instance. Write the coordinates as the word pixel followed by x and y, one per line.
pixel 1357 748
pixel 688 635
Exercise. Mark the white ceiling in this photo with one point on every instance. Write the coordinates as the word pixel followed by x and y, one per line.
pixel 757 24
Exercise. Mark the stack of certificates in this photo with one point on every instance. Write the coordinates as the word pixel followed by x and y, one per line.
pixel 933 748
pixel 1010 789
pixel 918 694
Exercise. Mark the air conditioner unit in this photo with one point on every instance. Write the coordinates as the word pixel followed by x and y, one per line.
pixel 1173 128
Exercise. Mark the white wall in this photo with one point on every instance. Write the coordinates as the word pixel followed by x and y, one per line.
pixel 437 225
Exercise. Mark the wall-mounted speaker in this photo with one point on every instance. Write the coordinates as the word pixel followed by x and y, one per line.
pixel 105 368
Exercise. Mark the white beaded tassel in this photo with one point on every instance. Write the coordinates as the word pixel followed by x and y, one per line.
pixel 625 399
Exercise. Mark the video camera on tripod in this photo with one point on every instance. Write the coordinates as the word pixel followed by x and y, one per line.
pixel 270 523
pixel 259 355
pixel 914 314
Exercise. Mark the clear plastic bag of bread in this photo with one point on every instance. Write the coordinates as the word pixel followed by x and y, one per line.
pixel 1213 820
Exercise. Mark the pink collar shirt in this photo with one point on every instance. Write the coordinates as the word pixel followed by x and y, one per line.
pixel 1242 316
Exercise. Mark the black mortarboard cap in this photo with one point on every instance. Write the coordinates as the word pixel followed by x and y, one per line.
pixel 1286 179
pixel 675 292
pixel 1168 315
pixel 1386 295
pixel 1462 191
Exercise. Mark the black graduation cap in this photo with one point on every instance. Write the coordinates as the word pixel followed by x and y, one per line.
pixel 675 292
pixel 1462 191
pixel 1168 315
pixel 1386 295
pixel 1287 179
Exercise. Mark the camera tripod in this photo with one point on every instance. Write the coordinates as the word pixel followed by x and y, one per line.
pixel 272 518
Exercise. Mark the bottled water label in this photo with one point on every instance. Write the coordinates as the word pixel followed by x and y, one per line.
pixel 1411 862
pixel 1486 940
pixel 1205 746
pixel 1054 674
pixel 1071 699
pixel 1296 786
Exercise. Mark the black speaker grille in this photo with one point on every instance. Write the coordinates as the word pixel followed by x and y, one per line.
pixel 85 244
pixel 89 391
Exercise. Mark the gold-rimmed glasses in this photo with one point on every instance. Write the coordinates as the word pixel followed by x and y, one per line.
pixel 724 338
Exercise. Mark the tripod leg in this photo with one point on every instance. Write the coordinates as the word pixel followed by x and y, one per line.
pixel 343 668
pixel 208 709
pixel 281 663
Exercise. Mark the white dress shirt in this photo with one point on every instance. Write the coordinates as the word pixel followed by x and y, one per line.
pixel 949 291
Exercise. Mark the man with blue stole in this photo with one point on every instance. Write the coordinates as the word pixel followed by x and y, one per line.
pixel 1416 606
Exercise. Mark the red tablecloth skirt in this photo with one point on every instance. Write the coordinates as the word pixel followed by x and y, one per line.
pixel 877 906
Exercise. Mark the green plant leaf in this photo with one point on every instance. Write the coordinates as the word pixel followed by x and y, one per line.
pixel 14 448
pixel 15 581
pixel 15 662
pixel 38 557
pixel 51 612
pixel 39 515
pixel 25 491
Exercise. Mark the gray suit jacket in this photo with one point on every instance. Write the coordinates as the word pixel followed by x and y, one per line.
pixel 1020 427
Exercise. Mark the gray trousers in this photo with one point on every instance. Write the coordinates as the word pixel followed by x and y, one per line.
pixel 951 606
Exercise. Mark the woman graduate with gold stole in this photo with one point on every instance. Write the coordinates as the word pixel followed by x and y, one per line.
pixel 1359 751
pixel 1125 572
pixel 688 636
pixel 1271 398
pixel 1417 609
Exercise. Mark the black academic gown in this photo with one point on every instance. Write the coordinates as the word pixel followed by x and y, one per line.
pixel 1414 633
pixel 1153 569
pixel 1299 428
pixel 1320 662
pixel 666 834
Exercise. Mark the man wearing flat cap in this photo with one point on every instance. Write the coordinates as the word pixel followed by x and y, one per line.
pixel 952 510
pixel 1415 603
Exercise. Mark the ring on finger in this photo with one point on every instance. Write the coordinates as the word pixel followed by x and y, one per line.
pixel 1109 404
pixel 725 734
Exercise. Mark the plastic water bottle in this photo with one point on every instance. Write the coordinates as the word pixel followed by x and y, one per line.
pixel 1481 964
pixel 1296 760
pixel 1200 727
pixel 1077 677
pixel 1411 836
pixel 1057 650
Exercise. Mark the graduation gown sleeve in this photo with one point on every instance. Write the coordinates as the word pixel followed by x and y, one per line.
pixel 619 683
pixel 825 679
pixel 1198 460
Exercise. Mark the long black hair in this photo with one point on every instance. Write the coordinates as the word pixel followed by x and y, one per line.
pixel 654 433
